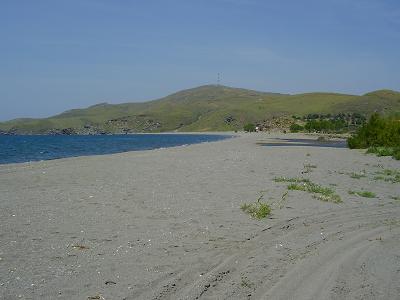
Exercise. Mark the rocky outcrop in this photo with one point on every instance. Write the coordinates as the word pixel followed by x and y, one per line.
pixel 2 132
pixel 275 124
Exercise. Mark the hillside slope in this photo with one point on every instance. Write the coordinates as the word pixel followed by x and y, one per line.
pixel 205 108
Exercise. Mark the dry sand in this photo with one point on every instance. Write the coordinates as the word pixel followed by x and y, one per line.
pixel 167 224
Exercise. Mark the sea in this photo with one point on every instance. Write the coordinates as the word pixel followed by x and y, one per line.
pixel 25 148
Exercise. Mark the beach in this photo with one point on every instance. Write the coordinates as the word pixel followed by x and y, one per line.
pixel 168 224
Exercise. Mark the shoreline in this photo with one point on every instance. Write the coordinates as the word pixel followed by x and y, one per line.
pixel 131 133
pixel 227 136
pixel 167 224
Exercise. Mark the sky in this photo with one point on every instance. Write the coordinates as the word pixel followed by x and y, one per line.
pixel 57 55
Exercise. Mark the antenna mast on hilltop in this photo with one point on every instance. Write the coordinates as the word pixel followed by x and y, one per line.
pixel 218 79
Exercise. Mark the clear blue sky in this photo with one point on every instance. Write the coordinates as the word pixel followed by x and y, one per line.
pixel 56 55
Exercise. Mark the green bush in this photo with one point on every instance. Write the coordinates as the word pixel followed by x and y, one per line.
pixel 380 135
pixel 396 153
pixel 296 127
pixel 381 151
pixel 250 127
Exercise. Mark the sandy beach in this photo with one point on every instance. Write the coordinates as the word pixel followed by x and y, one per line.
pixel 167 224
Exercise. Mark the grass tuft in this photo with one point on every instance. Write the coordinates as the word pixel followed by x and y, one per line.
pixel 310 166
pixel 284 179
pixel 388 175
pixel 335 198
pixel 258 210
pixel 296 187
pixel 321 193
pixel 365 194
pixel 357 175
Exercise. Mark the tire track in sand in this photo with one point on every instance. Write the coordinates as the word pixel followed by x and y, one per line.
pixel 315 268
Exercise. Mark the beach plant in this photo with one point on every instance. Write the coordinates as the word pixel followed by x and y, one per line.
pixel 357 175
pixel 365 194
pixel 308 168
pixel 388 175
pixel 296 180
pixel 320 192
pixel 246 283
pixel 258 209
pixel 389 172
pixel 283 199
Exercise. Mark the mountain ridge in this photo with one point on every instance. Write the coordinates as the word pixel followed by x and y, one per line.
pixel 203 108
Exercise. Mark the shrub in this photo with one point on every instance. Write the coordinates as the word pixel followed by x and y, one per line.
pixel 396 153
pixel 250 127
pixel 381 151
pixel 380 135
pixel 296 127
pixel 377 132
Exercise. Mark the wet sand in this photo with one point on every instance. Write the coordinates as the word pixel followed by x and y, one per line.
pixel 167 224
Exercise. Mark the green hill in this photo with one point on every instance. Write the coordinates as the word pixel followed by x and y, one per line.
pixel 205 108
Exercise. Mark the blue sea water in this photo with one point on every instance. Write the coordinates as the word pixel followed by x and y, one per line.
pixel 23 148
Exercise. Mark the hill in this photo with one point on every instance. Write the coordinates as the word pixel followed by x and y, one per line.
pixel 205 108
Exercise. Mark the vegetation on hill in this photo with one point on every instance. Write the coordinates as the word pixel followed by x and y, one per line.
pixel 381 135
pixel 329 123
pixel 205 108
